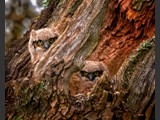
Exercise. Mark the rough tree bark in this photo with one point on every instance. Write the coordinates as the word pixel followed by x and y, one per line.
pixel 117 33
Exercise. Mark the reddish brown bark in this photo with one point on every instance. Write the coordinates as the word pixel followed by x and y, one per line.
pixel 37 92
pixel 125 27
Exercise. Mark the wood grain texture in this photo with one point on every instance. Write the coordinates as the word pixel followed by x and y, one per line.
pixel 117 33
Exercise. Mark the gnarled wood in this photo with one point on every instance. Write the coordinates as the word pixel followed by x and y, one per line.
pixel 107 31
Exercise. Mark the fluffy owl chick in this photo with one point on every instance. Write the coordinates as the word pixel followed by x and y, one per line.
pixel 39 42
pixel 92 70
pixel 81 82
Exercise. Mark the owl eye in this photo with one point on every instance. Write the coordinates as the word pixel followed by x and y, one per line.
pixel 51 40
pixel 84 73
pixel 39 42
pixel 96 73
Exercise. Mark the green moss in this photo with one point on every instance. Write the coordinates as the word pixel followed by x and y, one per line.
pixel 145 46
pixel 40 85
pixel 14 117
pixel 142 50
pixel 25 90
pixel 74 7
pixel 56 1
pixel 46 3
pixel 138 5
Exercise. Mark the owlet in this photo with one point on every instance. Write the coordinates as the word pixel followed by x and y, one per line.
pixel 92 70
pixel 39 42
pixel 83 80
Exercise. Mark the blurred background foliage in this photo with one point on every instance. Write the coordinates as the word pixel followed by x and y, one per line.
pixel 18 17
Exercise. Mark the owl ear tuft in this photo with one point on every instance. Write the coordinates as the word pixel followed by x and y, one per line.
pixel 33 34
pixel 104 68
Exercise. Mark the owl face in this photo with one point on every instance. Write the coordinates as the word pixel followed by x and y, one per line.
pixel 92 70
pixel 91 75
pixel 40 41
pixel 44 44
pixel 84 80
pixel 43 38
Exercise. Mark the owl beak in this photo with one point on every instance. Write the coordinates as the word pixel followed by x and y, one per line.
pixel 46 45
pixel 91 77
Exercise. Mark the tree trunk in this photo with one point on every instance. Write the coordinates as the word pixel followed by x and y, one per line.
pixel 119 34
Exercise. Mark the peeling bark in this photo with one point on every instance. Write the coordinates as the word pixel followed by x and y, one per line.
pixel 117 33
